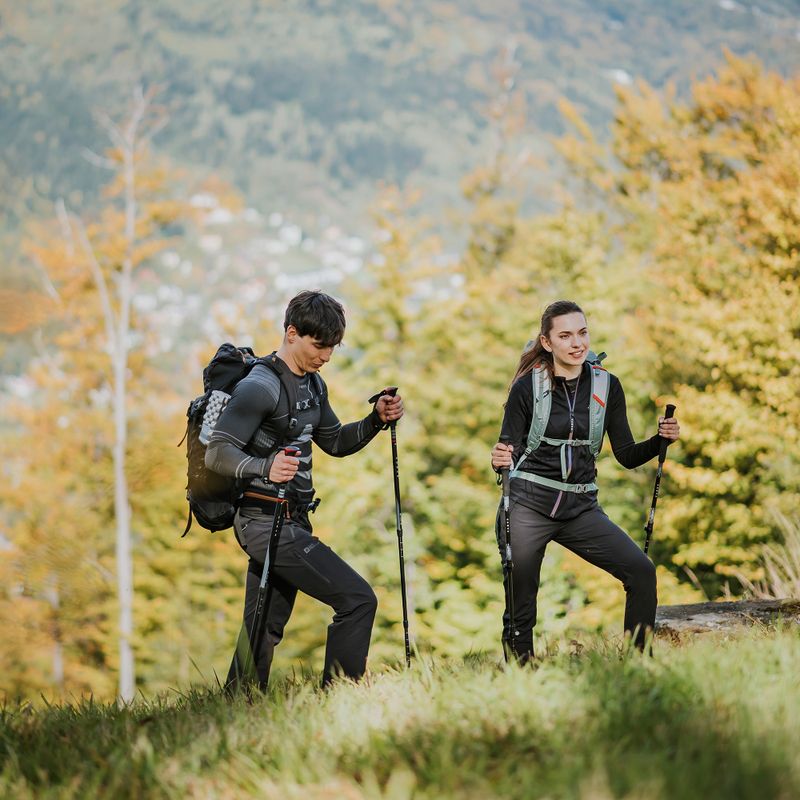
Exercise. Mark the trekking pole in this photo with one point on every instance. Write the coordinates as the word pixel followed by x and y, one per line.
pixel 508 565
pixel 249 643
pixel 662 454
pixel 392 391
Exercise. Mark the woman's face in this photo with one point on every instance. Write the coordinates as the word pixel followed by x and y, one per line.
pixel 568 340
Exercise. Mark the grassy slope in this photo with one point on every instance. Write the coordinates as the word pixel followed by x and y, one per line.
pixel 715 718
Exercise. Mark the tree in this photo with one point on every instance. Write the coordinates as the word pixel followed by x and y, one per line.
pixel 92 269
pixel 705 194
pixel 130 140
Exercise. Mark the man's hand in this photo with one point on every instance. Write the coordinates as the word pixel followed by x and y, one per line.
pixel 668 428
pixel 388 408
pixel 283 467
pixel 501 455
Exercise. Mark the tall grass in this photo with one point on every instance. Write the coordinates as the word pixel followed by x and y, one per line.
pixel 715 718
pixel 781 565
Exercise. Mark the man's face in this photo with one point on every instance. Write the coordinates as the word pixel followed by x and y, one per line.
pixel 309 355
pixel 568 340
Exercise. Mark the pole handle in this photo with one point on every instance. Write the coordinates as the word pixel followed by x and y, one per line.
pixel 504 475
pixel 289 450
pixel 669 412
pixel 390 390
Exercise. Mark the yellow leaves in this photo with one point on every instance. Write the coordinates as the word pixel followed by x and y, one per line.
pixel 438 570
pixel 164 212
pixel 690 283
pixel 711 202
pixel 145 251
pixel 21 310
pixel 571 115
pixel 224 191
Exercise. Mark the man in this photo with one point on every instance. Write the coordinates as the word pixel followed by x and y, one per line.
pixel 247 443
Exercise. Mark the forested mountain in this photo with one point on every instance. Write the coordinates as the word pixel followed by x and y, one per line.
pixel 306 104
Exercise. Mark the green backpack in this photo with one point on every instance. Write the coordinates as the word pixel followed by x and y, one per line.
pixel 542 404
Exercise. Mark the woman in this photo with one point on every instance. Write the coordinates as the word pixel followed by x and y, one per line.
pixel 553 496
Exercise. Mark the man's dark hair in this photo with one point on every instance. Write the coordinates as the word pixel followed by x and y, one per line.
pixel 318 315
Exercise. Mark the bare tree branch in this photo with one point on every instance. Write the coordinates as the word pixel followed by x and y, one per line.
pixel 155 128
pixel 111 128
pixel 66 230
pixel 99 278
pixel 46 282
pixel 97 160
pixel 140 106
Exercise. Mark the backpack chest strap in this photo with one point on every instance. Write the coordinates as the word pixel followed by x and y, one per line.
pixel 567 442
pixel 566 457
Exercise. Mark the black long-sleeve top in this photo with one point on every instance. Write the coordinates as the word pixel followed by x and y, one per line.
pixel 546 459
pixel 248 432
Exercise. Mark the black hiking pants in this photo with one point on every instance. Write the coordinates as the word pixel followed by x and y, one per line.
pixel 303 563
pixel 595 538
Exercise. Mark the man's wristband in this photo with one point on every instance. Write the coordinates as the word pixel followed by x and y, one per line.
pixel 376 421
pixel 268 462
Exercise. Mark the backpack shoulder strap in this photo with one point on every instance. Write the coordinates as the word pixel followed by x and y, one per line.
pixel 319 386
pixel 597 407
pixel 540 414
pixel 289 389
pixel 542 405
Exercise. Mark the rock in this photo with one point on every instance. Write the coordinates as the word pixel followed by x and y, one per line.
pixel 675 622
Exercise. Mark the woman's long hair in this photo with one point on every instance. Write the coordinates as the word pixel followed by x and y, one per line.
pixel 537 354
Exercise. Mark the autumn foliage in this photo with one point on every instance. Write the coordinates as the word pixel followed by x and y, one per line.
pixel 680 237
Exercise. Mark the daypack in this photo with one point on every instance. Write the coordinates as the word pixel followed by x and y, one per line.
pixel 542 405
pixel 212 497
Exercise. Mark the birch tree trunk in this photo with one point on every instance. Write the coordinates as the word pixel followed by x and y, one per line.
pixel 128 139
pixel 127 678
pixel 52 596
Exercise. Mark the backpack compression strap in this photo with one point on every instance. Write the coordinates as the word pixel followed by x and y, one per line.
pixel 597 408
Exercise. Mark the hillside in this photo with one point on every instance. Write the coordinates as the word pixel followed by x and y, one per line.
pixel 714 719
pixel 307 105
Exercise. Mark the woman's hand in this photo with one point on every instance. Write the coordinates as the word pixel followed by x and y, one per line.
pixel 501 456
pixel 668 428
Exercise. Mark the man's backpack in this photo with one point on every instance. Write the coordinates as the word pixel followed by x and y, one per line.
pixel 212 497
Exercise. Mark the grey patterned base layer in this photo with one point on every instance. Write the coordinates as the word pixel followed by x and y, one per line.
pixel 216 403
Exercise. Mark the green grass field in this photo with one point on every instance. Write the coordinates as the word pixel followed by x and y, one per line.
pixel 713 718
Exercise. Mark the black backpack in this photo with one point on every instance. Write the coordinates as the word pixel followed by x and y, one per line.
pixel 212 497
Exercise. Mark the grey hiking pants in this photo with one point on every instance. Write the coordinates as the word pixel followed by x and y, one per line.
pixel 304 563
pixel 595 538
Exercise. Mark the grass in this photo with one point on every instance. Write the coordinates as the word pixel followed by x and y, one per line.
pixel 781 564
pixel 714 718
